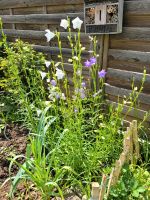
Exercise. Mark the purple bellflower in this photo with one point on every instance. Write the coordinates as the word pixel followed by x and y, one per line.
pixel 82 93
pixel 102 73
pixel 87 63
pixel 93 61
pixel 53 83
pixel 83 84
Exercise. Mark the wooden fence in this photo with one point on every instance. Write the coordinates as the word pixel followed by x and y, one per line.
pixel 124 55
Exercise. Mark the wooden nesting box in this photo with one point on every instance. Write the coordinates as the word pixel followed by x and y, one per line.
pixel 103 16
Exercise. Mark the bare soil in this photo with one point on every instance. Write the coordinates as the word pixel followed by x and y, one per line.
pixel 13 142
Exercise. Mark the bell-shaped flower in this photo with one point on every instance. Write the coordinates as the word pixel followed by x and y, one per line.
pixel 59 74
pixel 38 112
pixel 64 23
pixel 63 96
pixel 48 80
pixel 93 60
pixel 49 35
pixel 43 75
pixel 47 103
pixel 57 96
pixel 102 73
pixel 87 63
pixel 47 63
pixel 53 83
pixel 77 22
pixel 79 73
pixel 83 84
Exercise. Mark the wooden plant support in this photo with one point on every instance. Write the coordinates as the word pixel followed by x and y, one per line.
pixel 131 153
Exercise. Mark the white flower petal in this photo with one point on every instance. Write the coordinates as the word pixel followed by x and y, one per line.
pixel 59 74
pixel 47 103
pixel 63 96
pixel 47 63
pixel 83 48
pixel 75 58
pixel 48 80
pixel 38 112
pixel 79 72
pixel 49 35
pixel 70 60
pixel 64 23
pixel 77 22
pixel 43 75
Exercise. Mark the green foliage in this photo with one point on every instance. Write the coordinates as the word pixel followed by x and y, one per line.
pixel 39 168
pixel 22 89
pixel 74 134
pixel 134 183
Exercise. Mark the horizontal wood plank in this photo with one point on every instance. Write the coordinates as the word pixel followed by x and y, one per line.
pixel 128 65
pixel 133 56
pixel 137 6
pixel 134 33
pixel 129 44
pixel 121 92
pixel 56 50
pixel 124 79
pixel 39 18
pixel 30 34
pixel 30 3
pixel 136 113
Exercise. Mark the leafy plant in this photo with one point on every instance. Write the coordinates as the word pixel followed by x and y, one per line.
pixel 133 184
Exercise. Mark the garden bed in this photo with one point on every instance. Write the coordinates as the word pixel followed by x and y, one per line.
pixel 75 136
pixel 13 142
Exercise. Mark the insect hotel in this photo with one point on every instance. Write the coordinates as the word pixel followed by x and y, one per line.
pixel 103 16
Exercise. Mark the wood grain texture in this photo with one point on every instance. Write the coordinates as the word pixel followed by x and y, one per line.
pixel 121 92
pixel 39 18
pixel 134 56
pixel 56 51
pixel 30 34
pixel 30 3
pixel 139 114
pixel 124 79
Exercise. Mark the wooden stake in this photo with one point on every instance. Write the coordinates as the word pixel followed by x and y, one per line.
pixel 131 143
pixel 110 182
pixel 103 187
pixel 95 191
pixel 135 140
pixel 117 172
pixel 123 157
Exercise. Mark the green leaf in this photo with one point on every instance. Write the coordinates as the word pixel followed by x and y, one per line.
pixel 141 189
pixel 135 193
pixel 16 180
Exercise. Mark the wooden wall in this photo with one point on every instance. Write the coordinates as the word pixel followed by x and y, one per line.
pixel 125 55
pixel 129 54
